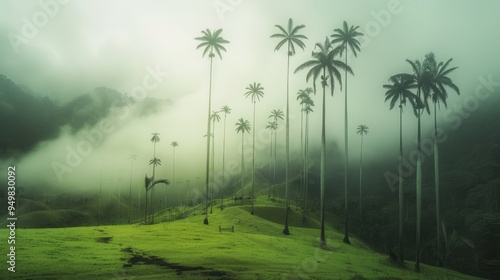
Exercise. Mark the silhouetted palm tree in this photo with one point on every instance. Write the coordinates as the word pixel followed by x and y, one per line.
pixel 422 82
pixel 400 90
pixel 304 99
pixel 276 114
pixel 307 103
pixel 291 37
pixel 242 126
pixel 154 162
pixel 324 63
pixel 438 82
pixel 272 126
pixel 155 139
pixel 132 158
pixel 361 130
pixel 226 110
pixel 211 42
pixel 150 182
pixel 215 118
pixel 255 92
pixel 347 38
pixel 174 145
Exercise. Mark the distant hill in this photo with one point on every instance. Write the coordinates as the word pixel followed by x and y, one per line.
pixel 28 119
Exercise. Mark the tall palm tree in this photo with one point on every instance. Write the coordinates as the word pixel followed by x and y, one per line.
pixel 421 79
pixel 242 126
pixel 155 162
pixel 132 158
pixel 438 82
pixel 347 39
pixel 361 130
pixel 291 37
pixel 150 182
pixel 308 104
pixel 323 62
pixel 276 114
pixel 154 139
pixel 255 91
pixel 304 99
pixel 215 118
pixel 174 145
pixel 400 90
pixel 272 126
pixel 226 110
pixel 212 43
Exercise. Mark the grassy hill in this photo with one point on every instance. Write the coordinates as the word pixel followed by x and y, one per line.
pixel 187 249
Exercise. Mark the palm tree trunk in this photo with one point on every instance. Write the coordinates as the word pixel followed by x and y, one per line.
pixel 242 168
pixel 302 177
pixel 223 162
pixel 419 190
pixel 274 166
pixel 306 168
pixel 253 158
pixel 153 189
pixel 400 171
pixel 212 183
pixel 436 182
pixel 207 170
pixel 360 185
pixel 346 168
pixel 100 195
pixel 322 168
pixel 270 163
pixel 286 231
pixel 130 193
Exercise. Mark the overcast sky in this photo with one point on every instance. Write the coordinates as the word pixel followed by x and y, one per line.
pixel 62 49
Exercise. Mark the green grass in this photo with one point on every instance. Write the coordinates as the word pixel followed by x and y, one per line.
pixel 187 249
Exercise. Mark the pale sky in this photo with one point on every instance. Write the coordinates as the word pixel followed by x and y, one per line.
pixel 61 49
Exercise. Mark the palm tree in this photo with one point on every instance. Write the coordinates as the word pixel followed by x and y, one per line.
pixel 132 158
pixel 174 145
pixel 347 38
pixel 273 126
pixel 324 63
pixel 305 100
pixel 422 84
pixel 150 183
pixel 155 139
pixel 215 118
pixel 276 114
pixel 400 90
pixel 154 162
pixel 242 126
pixel 255 91
pixel 226 110
pixel 361 130
pixel 308 104
pixel 291 37
pixel 438 81
pixel 211 42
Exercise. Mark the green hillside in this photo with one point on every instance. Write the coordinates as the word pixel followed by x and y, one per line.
pixel 187 249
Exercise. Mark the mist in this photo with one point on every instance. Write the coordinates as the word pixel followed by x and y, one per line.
pixel 147 51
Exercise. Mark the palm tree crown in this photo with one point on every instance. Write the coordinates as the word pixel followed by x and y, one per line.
pixel 276 114
pixel 212 42
pixel 436 75
pixel 400 89
pixel 347 38
pixel 242 126
pixel 290 36
pixel 324 60
pixel 362 129
pixel 255 91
